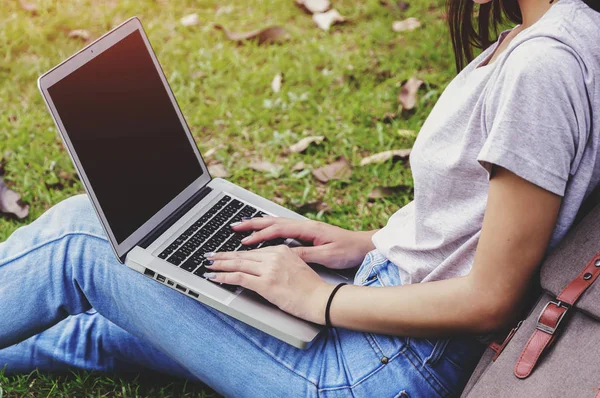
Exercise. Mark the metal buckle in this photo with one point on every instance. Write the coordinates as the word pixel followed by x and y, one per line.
pixel 549 329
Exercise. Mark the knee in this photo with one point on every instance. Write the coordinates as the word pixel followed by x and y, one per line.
pixel 76 214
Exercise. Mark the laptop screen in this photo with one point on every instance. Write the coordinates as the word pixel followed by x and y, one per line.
pixel 126 133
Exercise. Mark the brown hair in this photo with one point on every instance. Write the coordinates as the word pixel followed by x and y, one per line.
pixel 468 32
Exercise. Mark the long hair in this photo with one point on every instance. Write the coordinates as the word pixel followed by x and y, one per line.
pixel 469 31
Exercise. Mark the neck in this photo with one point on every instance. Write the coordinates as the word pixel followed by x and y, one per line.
pixel 532 11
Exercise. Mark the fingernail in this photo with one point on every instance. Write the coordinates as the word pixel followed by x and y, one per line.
pixel 209 263
pixel 209 255
pixel 245 239
pixel 209 275
pixel 246 218
pixel 235 224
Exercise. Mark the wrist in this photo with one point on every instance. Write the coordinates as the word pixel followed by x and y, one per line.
pixel 318 303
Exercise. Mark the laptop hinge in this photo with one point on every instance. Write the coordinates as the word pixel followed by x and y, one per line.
pixel 176 215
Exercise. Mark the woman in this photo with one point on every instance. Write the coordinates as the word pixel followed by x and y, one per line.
pixel 500 169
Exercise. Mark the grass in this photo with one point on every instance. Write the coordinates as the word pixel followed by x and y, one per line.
pixel 338 84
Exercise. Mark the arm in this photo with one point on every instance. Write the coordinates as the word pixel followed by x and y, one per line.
pixel 517 227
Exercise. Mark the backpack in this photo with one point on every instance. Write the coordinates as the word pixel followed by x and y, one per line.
pixel 555 350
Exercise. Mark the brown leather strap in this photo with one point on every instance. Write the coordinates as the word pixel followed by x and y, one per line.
pixel 551 317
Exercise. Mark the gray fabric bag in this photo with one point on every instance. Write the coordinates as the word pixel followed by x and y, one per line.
pixel 570 366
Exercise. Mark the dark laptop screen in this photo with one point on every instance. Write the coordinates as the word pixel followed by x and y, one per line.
pixel 126 133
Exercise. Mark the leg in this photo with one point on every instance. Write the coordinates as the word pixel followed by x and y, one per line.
pixel 61 265
pixel 91 342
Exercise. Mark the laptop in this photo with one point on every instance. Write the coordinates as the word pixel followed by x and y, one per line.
pixel 148 183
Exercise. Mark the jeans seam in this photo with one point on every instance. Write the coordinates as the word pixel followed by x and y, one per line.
pixel 427 375
pixel 365 378
pixel 48 242
pixel 374 346
pixel 267 353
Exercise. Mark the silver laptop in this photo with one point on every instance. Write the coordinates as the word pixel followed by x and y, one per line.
pixel 140 166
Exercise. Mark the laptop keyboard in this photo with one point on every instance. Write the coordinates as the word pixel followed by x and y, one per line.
pixel 212 233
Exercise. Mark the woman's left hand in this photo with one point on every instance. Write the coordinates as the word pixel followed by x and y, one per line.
pixel 278 275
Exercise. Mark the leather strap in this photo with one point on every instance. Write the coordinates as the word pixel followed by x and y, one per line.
pixel 552 315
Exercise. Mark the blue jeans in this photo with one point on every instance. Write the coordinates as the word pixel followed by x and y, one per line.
pixel 65 301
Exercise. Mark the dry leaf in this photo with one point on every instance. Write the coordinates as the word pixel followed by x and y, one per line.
pixel 80 34
pixel 263 165
pixel 305 142
pixel 276 83
pixel 385 156
pixel 338 170
pixel 314 206
pixel 190 20
pixel 263 36
pixel 408 93
pixel 223 10
pixel 406 25
pixel 299 166
pixel 10 202
pixel 314 6
pixel 212 151
pixel 406 133
pixel 27 6
pixel 384 192
pixel 218 170
pixel 324 20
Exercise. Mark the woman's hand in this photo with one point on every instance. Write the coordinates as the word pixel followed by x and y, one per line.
pixel 278 275
pixel 333 247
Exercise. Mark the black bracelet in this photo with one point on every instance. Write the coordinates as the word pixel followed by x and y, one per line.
pixel 327 319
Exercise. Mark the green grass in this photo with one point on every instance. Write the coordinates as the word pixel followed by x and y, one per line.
pixel 337 84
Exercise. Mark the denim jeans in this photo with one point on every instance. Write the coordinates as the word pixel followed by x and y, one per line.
pixel 66 302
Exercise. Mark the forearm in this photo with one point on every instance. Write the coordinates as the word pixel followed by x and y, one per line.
pixel 425 309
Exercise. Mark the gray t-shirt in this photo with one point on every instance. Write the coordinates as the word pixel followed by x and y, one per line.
pixel 534 111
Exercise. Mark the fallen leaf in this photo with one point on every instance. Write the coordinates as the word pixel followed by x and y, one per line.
pixel 314 6
pixel 268 35
pixel 190 20
pixel 406 25
pixel 299 166
pixel 10 202
pixel 384 192
pixel 385 156
pixel 80 34
pixel 27 6
pixel 406 133
pixel 311 207
pixel 218 170
pixel 276 83
pixel 338 170
pixel 324 20
pixel 223 10
pixel 305 142
pixel 408 93
pixel 212 151
pixel 263 165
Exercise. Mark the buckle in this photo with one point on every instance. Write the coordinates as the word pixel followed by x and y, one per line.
pixel 549 329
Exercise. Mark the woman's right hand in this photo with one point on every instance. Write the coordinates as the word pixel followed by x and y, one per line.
pixel 332 246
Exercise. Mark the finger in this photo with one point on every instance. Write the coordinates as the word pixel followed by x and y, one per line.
pixel 235 278
pixel 301 230
pixel 258 223
pixel 253 255
pixel 237 265
pixel 311 254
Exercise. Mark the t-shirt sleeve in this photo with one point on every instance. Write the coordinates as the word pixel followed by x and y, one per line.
pixel 537 114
